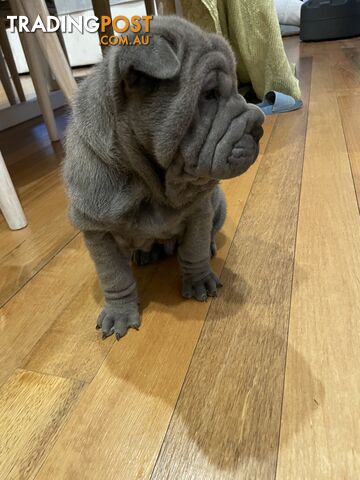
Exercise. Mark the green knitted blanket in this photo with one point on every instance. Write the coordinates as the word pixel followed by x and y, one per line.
pixel 252 28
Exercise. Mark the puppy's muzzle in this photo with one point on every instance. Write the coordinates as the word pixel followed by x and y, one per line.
pixel 233 143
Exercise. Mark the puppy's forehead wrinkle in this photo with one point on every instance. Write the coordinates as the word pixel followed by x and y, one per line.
pixel 183 31
pixel 191 42
pixel 175 125
pixel 218 42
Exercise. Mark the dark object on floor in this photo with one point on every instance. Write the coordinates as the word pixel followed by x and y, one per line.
pixel 329 19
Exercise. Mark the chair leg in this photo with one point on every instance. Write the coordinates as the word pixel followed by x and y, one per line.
pixel 6 82
pixel 9 201
pixel 102 8
pixel 31 48
pixel 51 48
pixel 63 46
pixel 50 80
pixel 9 58
pixel 53 85
pixel 150 7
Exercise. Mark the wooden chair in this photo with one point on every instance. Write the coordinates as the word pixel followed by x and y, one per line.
pixel 7 62
pixel 37 47
pixel 5 10
pixel 102 9
pixel 6 81
pixel 9 202
pixel 40 46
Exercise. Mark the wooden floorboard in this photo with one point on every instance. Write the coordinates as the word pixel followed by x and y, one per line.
pixel 349 106
pixel 320 432
pixel 343 68
pixel 33 408
pixel 30 313
pixel 30 138
pixel 38 181
pixel 36 250
pixel 226 422
pixel 340 72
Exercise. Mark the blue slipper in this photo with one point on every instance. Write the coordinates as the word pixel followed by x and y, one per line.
pixel 276 102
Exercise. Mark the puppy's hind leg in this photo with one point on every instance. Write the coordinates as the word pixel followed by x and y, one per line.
pixel 219 205
pixel 158 252
pixel 140 257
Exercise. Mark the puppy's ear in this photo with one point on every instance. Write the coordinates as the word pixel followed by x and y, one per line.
pixel 157 60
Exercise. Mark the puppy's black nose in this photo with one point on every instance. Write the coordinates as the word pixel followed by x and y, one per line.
pixel 257 132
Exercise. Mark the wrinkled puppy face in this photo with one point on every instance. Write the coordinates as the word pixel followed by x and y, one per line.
pixel 184 106
pixel 223 140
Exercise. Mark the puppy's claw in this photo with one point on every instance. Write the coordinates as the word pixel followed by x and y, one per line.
pixel 201 290
pixel 118 320
pixel 203 298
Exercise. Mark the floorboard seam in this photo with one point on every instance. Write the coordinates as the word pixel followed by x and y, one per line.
pixel 48 374
pixel 348 154
pixel 62 426
pixel 40 270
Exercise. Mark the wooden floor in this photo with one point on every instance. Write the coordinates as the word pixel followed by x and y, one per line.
pixel 261 383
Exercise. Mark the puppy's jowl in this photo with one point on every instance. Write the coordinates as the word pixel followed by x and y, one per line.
pixel 154 128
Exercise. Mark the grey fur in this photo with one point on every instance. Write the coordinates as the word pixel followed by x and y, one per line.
pixel 153 130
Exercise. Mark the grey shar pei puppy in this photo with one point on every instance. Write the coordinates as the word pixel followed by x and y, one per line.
pixel 153 130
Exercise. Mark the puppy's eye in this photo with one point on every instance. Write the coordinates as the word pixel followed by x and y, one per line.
pixel 212 94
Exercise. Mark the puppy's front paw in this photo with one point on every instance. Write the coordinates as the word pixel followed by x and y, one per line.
pixel 118 319
pixel 201 290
